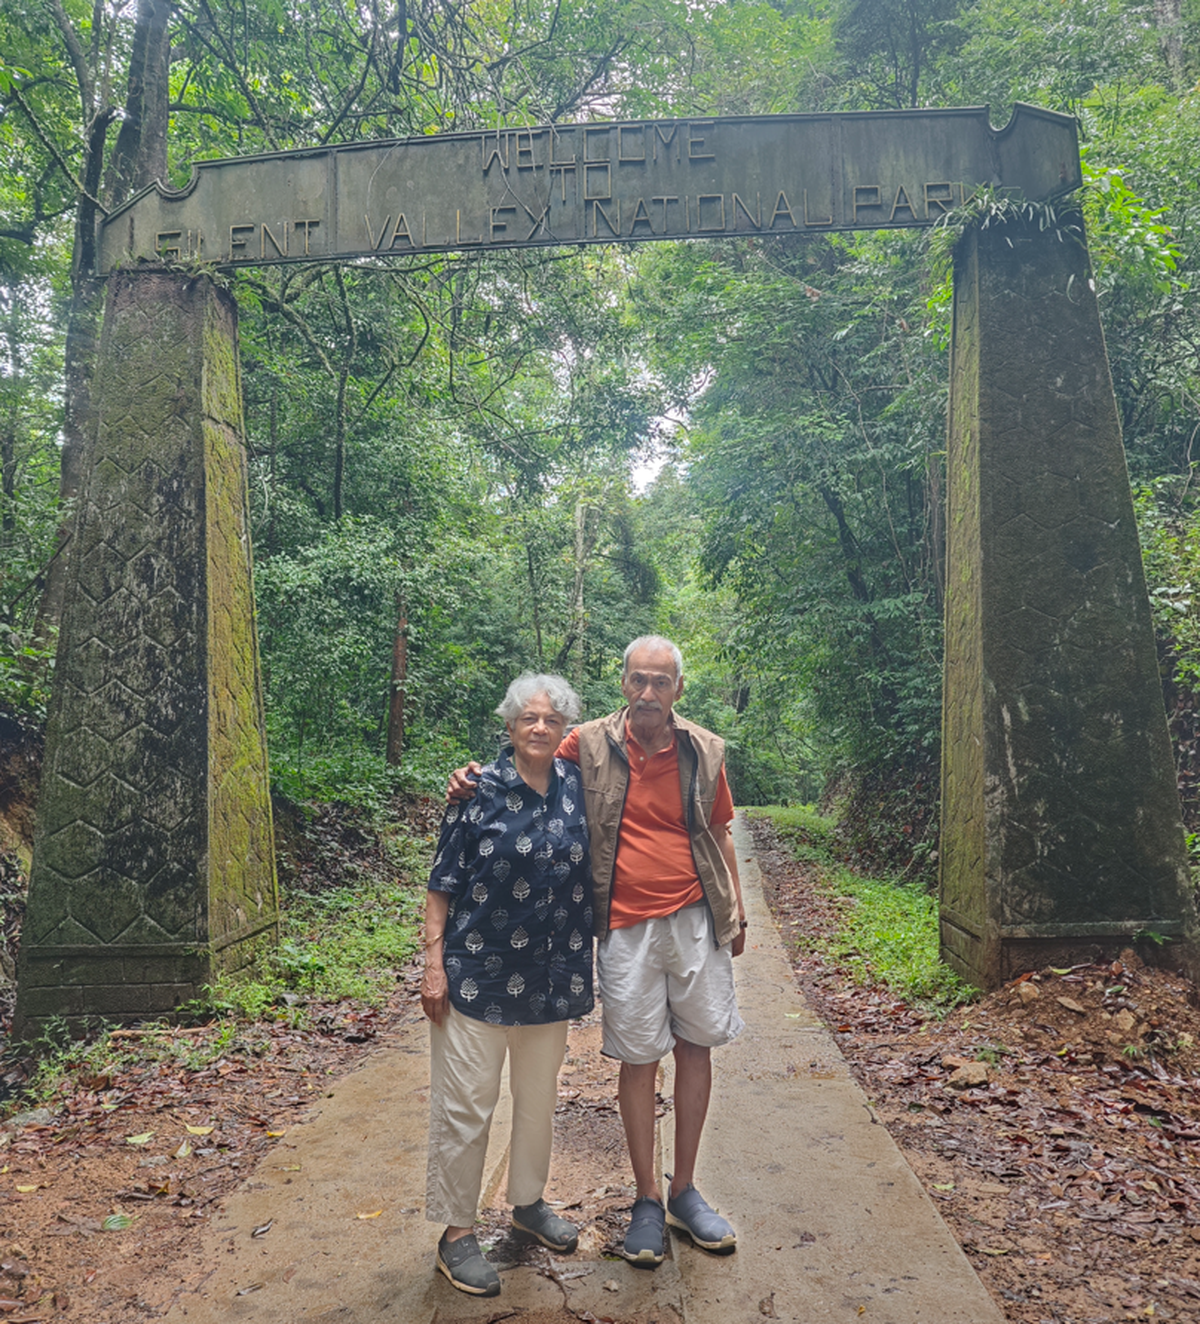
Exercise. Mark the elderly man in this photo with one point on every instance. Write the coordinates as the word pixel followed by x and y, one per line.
pixel 669 917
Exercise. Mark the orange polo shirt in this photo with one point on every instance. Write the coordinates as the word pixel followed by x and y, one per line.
pixel 655 873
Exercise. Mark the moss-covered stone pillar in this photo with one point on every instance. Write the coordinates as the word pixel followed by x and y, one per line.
pixel 1061 830
pixel 153 865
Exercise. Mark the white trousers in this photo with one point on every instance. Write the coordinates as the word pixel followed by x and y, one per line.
pixel 466 1059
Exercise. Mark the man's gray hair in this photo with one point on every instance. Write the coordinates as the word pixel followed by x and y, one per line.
pixel 657 642
pixel 528 685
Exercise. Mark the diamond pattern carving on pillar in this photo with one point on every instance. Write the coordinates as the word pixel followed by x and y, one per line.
pixel 154 862
pixel 1061 830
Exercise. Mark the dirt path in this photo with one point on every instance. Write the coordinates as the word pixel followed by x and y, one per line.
pixel 1069 1177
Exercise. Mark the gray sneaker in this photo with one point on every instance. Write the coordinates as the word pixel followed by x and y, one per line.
pixel 540 1221
pixel 691 1212
pixel 645 1242
pixel 463 1263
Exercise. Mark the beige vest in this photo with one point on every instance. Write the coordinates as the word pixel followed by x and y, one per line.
pixel 604 770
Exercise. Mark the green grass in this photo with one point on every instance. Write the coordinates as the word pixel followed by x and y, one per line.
pixel 63 1060
pixel 888 933
pixel 341 944
pixel 809 834
pixel 348 944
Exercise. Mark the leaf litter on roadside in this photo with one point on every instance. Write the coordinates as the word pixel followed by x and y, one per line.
pixel 198 1120
pixel 1070 1173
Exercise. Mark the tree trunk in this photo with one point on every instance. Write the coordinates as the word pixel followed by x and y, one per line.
pixel 81 349
pixel 343 381
pixel 8 480
pixel 9 426
pixel 935 536
pixel 1168 18
pixel 140 158
pixel 535 598
pixel 399 687
pixel 586 531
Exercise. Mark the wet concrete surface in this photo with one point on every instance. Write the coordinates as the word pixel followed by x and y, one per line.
pixel 832 1224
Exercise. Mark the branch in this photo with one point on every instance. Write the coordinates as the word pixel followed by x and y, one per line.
pixel 75 52
pixel 228 59
pixel 273 303
pixel 348 101
pixel 598 69
pixel 57 156
pixel 503 60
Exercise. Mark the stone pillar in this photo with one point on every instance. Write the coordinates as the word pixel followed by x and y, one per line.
pixel 153 866
pixel 1061 829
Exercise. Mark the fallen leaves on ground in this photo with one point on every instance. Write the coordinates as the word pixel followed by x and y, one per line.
pixel 1054 1123
pixel 113 1182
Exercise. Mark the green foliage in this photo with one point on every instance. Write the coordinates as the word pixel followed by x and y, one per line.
pixel 737 57
pixel 344 943
pixel 814 430
pixel 1129 240
pixel 891 935
pixel 890 50
pixel 352 775
pixel 1051 55
pixel 31 350
pixel 326 620
pixel 348 943
pixel 810 835
pixel 358 776
pixel 443 450
pixel 62 1058
pixel 990 207
pixel 25 676
pixel 888 933
pixel 1171 555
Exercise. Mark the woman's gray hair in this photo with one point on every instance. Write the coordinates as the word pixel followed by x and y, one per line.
pixel 528 685
pixel 658 643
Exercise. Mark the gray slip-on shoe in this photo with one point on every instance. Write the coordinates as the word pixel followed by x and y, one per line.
pixel 540 1221
pixel 463 1263
pixel 645 1242
pixel 690 1212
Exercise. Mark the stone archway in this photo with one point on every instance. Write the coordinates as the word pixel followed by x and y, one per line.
pixel 153 866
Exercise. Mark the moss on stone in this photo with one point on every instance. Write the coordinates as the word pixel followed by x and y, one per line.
pixel 155 821
pixel 1061 820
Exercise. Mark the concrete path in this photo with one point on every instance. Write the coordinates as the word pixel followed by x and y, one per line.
pixel 832 1224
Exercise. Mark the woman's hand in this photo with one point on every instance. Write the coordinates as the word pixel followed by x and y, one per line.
pixel 435 992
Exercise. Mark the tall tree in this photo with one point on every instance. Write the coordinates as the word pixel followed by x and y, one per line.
pixel 890 48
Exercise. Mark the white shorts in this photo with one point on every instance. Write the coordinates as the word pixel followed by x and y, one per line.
pixel 665 979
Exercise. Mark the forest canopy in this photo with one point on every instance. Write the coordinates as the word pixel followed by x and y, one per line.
pixel 465 465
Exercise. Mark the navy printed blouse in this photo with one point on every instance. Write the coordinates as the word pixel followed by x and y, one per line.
pixel 518 946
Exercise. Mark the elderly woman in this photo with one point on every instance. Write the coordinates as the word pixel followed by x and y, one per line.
pixel 508 962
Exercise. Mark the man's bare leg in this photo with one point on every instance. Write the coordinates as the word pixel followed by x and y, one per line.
pixel 693 1088
pixel 687 1208
pixel 635 1096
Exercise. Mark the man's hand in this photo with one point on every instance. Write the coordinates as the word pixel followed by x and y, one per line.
pixel 729 855
pixel 435 992
pixel 461 785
